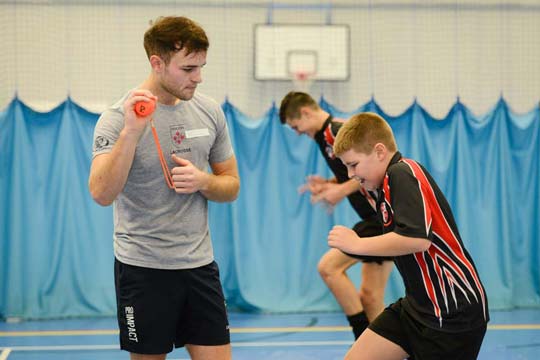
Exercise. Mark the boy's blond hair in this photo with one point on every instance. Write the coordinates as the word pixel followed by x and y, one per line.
pixel 362 132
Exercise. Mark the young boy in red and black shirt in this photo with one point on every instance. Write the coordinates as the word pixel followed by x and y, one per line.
pixel 444 313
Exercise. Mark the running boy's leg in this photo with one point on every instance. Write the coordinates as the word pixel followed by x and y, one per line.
pixel 332 267
pixel 374 278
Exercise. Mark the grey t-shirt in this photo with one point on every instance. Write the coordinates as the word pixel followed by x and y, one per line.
pixel 154 226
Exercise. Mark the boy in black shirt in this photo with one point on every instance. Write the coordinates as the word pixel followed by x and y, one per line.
pixel 304 115
pixel 444 313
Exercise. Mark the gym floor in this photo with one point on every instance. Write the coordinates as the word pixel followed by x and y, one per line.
pixel 315 336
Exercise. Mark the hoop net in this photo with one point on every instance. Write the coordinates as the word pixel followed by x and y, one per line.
pixel 302 80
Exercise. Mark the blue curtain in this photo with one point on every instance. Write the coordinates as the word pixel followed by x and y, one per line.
pixel 56 243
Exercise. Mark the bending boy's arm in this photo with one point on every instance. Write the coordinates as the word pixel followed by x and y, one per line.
pixel 109 172
pixel 350 186
pixel 334 192
pixel 389 244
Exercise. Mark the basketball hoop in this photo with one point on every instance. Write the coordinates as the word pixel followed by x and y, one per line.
pixel 302 80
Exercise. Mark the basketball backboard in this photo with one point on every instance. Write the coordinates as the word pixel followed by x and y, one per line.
pixel 282 50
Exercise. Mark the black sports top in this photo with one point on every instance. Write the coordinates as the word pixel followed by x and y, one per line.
pixel 443 289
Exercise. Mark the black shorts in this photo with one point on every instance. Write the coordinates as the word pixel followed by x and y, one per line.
pixel 422 342
pixel 368 228
pixel 159 309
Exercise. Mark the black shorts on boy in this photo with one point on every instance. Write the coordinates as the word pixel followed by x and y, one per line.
pixel 425 343
pixel 162 309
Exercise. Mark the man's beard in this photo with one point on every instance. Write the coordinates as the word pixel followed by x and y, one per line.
pixel 176 93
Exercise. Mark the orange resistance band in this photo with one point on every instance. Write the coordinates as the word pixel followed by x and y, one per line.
pixel 164 167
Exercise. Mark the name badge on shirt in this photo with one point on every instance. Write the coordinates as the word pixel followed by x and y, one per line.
pixel 190 134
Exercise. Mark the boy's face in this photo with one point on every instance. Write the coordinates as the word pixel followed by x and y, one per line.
pixel 303 125
pixel 368 169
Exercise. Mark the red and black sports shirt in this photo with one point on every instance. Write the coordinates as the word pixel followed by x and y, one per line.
pixel 443 289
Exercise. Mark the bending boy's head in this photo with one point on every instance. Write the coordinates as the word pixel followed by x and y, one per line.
pixel 302 113
pixel 292 103
pixel 168 35
pixel 366 144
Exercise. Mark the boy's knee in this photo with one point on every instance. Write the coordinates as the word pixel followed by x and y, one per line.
pixel 368 296
pixel 324 269
pixel 328 270
pixel 334 264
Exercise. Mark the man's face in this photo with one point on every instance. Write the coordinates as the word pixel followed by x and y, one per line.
pixel 182 74
pixel 368 169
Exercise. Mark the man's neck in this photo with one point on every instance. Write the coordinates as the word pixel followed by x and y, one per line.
pixel 163 96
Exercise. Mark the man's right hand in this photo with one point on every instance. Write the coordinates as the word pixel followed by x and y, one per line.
pixel 133 124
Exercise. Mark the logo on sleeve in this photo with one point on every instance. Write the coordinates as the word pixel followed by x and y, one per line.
pixel 385 214
pixel 100 143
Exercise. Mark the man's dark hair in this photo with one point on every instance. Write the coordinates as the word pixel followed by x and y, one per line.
pixel 171 34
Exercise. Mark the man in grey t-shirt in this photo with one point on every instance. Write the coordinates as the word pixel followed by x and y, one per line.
pixel 167 283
